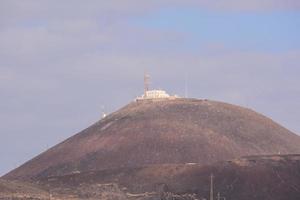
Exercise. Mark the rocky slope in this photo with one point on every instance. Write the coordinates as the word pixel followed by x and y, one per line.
pixel 272 177
pixel 21 190
pixel 275 177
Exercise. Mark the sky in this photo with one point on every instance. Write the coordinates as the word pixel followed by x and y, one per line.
pixel 63 62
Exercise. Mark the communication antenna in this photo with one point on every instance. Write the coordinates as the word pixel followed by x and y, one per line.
pixel 186 86
pixel 146 83
pixel 211 187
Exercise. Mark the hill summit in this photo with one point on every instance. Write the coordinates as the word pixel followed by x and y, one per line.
pixel 153 132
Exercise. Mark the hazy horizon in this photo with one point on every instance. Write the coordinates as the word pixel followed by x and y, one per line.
pixel 61 64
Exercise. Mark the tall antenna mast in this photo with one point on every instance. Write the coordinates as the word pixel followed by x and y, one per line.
pixel 211 187
pixel 186 86
pixel 146 83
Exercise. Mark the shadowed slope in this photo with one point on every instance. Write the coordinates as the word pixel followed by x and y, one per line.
pixel 272 177
pixel 163 132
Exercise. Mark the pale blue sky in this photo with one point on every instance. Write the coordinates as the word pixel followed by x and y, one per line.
pixel 271 31
pixel 61 62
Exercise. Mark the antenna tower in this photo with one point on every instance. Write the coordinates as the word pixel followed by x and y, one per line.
pixel 186 86
pixel 211 187
pixel 146 83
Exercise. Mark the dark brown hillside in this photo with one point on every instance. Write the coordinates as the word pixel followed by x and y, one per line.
pixel 274 177
pixel 163 132
pixel 21 190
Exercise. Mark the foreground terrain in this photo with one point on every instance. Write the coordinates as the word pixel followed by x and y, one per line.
pixel 275 177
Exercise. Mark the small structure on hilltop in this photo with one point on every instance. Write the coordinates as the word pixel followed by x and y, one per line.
pixel 153 94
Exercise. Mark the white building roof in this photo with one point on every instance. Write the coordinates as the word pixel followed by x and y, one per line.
pixel 155 94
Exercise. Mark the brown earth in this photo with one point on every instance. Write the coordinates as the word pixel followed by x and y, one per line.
pixel 163 132
pixel 21 190
pixel 17 190
pixel 273 177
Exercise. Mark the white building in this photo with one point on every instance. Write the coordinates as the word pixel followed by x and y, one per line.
pixel 156 94
pixel 153 94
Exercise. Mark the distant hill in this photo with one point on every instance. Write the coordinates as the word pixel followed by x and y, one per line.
pixel 163 132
